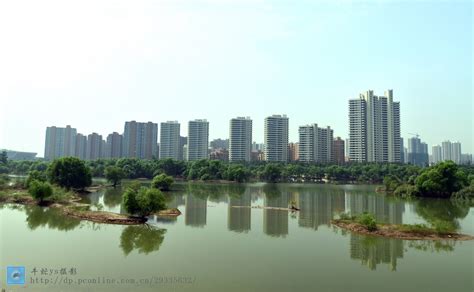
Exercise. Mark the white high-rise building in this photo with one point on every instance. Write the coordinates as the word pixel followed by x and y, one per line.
pixel 447 150
pixel 374 128
pixel 198 140
pixel 437 154
pixel 240 139
pixel 456 154
pixel 60 142
pixel 95 146
pixel 315 144
pixel 170 140
pixel 276 138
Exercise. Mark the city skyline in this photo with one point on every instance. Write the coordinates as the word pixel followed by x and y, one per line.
pixel 304 60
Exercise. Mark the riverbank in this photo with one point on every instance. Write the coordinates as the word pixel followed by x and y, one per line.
pixel 403 231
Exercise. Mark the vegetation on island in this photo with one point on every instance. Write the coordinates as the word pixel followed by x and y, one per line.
pixel 143 201
pixel 114 175
pixel 162 182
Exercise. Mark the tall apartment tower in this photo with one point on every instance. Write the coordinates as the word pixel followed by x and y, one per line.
pixel 198 140
pixel 140 140
pixel 316 144
pixel 170 140
pixel 81 146
pixel 276 138
pixel 240 139
pixel 437 154
pixel 60 142
pixel 94 148
pixel 374 128
pixel 447 150
pixel 456 155
pixel 113 147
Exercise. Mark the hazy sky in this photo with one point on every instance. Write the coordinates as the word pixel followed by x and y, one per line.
pixel 96 64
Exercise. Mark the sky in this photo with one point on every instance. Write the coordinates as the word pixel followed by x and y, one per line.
pixel 96 64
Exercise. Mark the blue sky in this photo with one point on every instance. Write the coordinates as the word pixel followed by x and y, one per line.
pixel 96 64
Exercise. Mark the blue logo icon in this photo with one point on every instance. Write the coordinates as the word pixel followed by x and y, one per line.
pixel 15 275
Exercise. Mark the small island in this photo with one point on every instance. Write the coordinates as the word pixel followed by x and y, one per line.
pixel 366 224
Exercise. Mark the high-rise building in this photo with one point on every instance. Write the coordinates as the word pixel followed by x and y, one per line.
pixel 240 139
pixel 113 148
pixel 316 144
pixel 140 140
pixel 276 138
pixel 169 140
pixel 417 152
pixel 60 142
pixel 81 146
pixel 94 148
pixel 338 151
pixel 447 150
pixel 374 128
pixel 293 151
pixel 436 154
pixel 198 140
pixel 456 153
pixel 402 151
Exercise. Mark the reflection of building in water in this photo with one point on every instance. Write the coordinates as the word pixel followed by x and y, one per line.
pixel 238 219
pixel 372 251
pixel 383 209
pixel 275 222
pixel 196 211
pixel 319 208
pixel 178 200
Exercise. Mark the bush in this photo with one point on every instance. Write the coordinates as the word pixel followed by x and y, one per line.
pixel 143 201
pixel 40 190
pixel 405 191
pixel 162 182
pixel 368 220
pixel 346 216
pixel 35 175
pixel 70 173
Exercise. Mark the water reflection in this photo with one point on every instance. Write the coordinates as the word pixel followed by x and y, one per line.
pixel 50 217
pixel 238 219
pixel 143 238
pixel 435 210
pixel 113 197
pixel 318 208
pixel 275 222
pixel 385 209
pixel 195 211
pixel 372 251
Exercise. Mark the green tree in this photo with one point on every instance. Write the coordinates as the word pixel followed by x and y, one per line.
pixel 143 201
pixel 441 180
pixel 70 173
pixel 162 182
pixel 272 172
pixel 40 190
pixel 114 175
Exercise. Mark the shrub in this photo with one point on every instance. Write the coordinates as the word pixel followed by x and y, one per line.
pixel 40 190
pixel 162 182
pixel 143 201
pixel 345 216
pixel 35 175
pixel 368 220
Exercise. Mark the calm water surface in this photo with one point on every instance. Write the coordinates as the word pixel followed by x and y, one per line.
pixel 214 246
